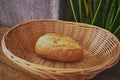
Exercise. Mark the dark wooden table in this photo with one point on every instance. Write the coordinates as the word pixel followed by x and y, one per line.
pixel 11 71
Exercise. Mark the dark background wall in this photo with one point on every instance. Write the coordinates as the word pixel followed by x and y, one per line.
pixel 13 12
pixel 65 11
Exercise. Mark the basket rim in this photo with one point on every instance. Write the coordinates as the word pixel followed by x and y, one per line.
pixel 61 70
pixel 70 22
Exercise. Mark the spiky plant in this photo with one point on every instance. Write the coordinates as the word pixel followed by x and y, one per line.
pixel 103 13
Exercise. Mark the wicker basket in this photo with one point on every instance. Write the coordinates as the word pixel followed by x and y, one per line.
pixel 101 49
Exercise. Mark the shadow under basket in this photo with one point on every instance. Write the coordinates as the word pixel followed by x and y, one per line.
pixel 101 49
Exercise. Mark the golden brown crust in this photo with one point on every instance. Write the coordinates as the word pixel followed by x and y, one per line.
pixel 63 55
pixel 59 48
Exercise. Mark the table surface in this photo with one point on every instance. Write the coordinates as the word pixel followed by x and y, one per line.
pixel 11 71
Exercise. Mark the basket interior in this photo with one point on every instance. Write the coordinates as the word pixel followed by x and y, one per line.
pixel 99 46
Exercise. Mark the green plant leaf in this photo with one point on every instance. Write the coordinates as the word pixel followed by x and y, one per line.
pixel 73 10
pixel 95 5
pixel 110 15
pixel 116 20
pixel 105 12
pixel 118 28
pixel 91 11
pixel 117 32
pixel 80 9
pixel 86 7
pixel 116 23
pixel 96 12
pixel 88 11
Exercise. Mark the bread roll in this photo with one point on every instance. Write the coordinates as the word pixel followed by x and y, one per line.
pixel 57 47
